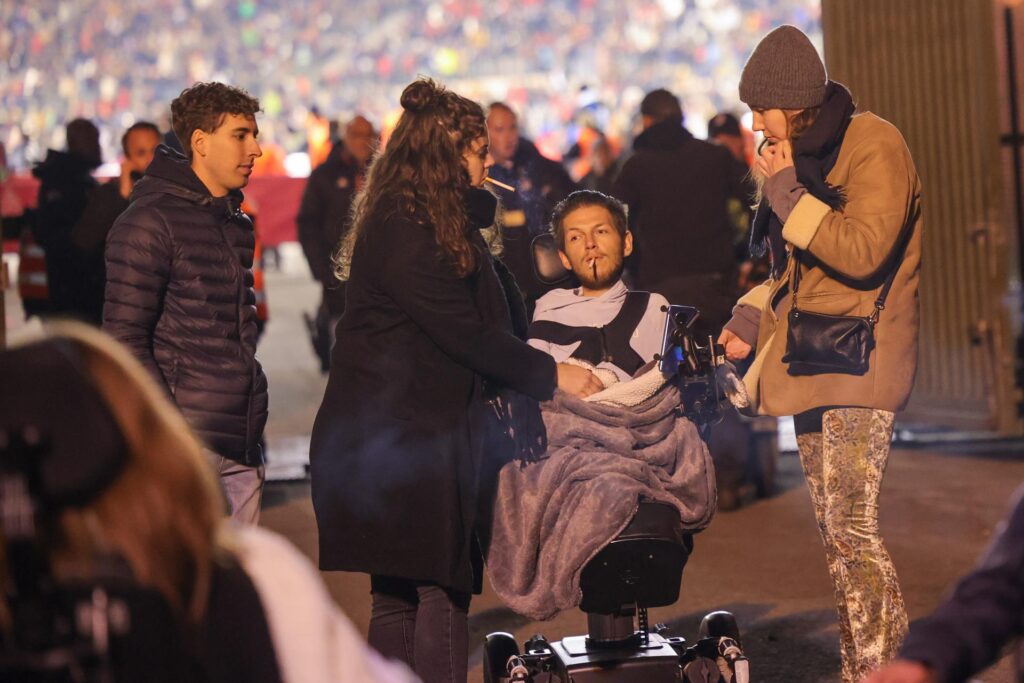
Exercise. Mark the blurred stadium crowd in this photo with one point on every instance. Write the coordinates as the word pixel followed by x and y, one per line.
pixel 561 63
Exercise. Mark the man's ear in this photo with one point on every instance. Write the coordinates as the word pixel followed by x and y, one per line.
pixel 627 244
pixel 198 142
pixel 565 260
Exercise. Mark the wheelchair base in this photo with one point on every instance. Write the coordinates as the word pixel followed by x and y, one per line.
pixel 646 658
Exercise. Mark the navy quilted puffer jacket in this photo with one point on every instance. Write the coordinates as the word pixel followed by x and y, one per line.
pixel 179 295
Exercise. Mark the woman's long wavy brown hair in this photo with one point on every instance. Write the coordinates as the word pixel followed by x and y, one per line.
pixel 420 173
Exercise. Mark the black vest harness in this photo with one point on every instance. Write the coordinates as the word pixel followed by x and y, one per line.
pixel 606 344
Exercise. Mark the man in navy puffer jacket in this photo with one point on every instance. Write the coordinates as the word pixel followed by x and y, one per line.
pixel 179 283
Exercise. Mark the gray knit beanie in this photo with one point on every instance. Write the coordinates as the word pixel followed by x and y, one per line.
pixel 783 72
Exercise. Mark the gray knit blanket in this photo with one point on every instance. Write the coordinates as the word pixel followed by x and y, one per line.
pixel 552 516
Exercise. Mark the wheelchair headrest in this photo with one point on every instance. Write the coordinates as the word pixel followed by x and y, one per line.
pixel 546 263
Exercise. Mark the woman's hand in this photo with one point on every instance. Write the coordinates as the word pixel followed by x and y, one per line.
pixel 774 158
pixel 902 671
pixel 578 381
pixel 735 348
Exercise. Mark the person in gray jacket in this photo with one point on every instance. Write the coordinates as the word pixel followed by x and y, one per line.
pixel 179 288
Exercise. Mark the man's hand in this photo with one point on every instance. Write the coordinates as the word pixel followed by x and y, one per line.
pixel 578 381
pixel 735 348
pixel 774 158
pixel 902 671
pixel 126 181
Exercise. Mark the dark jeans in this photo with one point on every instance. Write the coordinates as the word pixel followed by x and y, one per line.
pixel 423 625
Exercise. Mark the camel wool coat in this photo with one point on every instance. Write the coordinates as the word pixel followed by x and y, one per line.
pixel 845 258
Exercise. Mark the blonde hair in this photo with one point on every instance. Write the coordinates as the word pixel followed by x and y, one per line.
pixel 164 512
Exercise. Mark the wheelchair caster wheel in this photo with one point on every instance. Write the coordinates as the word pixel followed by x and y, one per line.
pixel 498 648
pixel 720 625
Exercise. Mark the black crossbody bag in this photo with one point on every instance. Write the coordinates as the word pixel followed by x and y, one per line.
pixel 818 343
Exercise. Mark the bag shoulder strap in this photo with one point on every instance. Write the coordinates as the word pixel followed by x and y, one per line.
pixel 883 294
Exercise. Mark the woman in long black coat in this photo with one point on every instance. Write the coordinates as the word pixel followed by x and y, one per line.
pixel 398 455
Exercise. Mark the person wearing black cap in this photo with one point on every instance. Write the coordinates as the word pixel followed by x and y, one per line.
pixel 841 218
pixel 724 129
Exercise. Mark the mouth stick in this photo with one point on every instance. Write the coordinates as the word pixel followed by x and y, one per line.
pixel 503 186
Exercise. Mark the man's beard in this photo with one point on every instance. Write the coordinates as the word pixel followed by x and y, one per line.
pixel 591 278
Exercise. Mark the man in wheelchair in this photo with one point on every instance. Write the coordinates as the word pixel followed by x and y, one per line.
pixel 604 520
pixel 600 322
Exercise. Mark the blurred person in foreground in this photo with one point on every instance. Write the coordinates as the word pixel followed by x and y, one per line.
pixel 834 331
pixel 179 288
pixel 127 506
pixel 65 185
pixel 324 218
pixel 106 203
pixel 970 629
pixel 431 383
pixel 539 184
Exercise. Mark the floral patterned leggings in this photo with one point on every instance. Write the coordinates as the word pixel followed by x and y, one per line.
pixel 844 452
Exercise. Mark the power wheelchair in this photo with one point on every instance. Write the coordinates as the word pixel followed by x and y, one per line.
pixel 639 569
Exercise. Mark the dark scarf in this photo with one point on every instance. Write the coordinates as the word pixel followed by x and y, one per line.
pixel 814 154
pixel 517 431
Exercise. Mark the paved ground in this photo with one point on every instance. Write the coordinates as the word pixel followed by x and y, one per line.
pixel 763 562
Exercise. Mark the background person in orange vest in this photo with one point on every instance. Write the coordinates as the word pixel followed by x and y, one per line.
pixel 318 137
pixel 251 209
pixel 32 284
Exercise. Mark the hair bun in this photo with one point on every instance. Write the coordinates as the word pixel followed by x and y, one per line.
pixel 420 95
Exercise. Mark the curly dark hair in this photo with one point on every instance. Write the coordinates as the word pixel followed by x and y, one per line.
pixel 580 199
pixel 420 173
pixel 204 106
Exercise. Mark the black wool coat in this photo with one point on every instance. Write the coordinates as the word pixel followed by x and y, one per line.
pixel 179 296
pixel 89 237
pixel 397 451
pixel 678 190
pixel 324 218
pixel 65 185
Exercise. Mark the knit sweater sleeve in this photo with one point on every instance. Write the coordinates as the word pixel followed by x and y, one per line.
pixel 783 191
